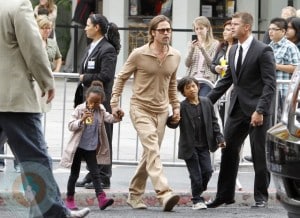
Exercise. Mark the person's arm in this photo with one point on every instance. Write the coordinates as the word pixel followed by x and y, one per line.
pixel 210 53
pixel 215 66
pixel 268 77
pixel 77 120
pixel 292 60
pixel 58 59
pixel 221 87
pixel 127 70
pixel 173 98
pixel 189 58
pixel 216 127
pixel 58 63
pixel 36 8
pixel 288 68
pixel 29 40
pixel 110 118
pixel 53 15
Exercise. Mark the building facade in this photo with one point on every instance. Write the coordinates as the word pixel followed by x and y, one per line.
pixel 137 13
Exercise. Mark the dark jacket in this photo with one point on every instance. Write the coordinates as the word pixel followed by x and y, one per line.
pixel 216 60
pixel 104 57
pixel 255 86
pixel 187 129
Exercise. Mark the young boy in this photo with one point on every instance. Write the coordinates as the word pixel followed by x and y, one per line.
pixel 199 134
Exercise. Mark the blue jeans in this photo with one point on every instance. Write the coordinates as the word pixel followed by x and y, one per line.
pixel 3 139
pixel 26 140
pixel 200 170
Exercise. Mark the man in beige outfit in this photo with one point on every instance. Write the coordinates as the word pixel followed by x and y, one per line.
pixel 154 67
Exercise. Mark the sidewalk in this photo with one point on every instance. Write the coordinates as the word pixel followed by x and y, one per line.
pixel 128 151
pixel 177 176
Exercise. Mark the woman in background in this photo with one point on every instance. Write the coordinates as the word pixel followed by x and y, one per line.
pixel 54 55
pixel 201 52
pixel 219 63
pixel 51 7
pixel 293 31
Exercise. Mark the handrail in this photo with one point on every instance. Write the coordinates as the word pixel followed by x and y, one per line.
pixel 116 143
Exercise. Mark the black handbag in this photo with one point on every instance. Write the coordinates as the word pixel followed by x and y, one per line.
pixel 79 95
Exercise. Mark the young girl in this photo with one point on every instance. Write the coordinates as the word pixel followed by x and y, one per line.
pixel 199 134
pixel 89 142
pixel 201 52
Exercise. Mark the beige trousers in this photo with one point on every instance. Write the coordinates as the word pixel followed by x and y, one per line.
pixel 150 128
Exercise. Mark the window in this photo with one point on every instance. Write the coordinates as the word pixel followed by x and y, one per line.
pixel 217 8
pixel 150 8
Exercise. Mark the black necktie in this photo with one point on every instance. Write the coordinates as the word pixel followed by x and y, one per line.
pixel 239 61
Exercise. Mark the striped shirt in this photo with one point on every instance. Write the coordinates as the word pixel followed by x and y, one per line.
pixel 286 53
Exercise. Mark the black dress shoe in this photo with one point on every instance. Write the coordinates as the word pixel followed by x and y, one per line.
pixel 218 202
pixel 90 185
pixel 82 183
pixel 259 204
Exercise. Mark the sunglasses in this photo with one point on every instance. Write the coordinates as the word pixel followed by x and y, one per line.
pixel 163 30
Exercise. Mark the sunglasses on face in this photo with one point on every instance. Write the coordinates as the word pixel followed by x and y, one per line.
pixel 163 30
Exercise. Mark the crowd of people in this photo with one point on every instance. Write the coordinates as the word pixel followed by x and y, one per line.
pixel 246 65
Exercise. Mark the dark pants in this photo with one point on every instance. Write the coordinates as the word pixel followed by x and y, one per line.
pixel 26 140
pixel 3 140
pixel 237 128
pixel 91 161
pixel 200 170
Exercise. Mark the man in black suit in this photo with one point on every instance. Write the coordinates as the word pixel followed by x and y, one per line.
pixel 252 72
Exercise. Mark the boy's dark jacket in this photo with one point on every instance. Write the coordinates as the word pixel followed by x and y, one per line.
pixel 187 130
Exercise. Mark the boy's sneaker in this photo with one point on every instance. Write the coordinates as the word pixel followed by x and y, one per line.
pixel 79 213
pixel 260 204
pixel 199 206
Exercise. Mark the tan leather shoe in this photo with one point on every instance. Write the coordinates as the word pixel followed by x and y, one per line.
pixel 170 201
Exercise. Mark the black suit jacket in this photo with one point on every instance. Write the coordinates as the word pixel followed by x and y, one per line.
pixel 104 57
pixel 255 87
pixel 187 128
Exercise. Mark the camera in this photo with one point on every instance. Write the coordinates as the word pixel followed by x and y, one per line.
pixel 194 37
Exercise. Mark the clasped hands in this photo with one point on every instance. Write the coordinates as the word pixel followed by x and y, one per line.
pixel 117 112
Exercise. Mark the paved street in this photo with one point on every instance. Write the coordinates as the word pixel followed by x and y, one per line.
pixel 126 149
pixel 182 212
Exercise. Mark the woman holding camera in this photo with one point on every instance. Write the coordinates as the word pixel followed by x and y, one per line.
pixel 201 51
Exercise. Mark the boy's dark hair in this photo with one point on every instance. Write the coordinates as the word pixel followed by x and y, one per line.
pixel 280 22
pixel 185 81
pixel 96 87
